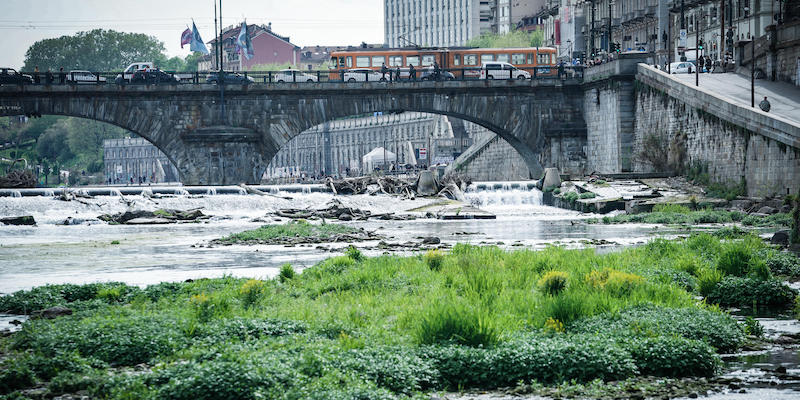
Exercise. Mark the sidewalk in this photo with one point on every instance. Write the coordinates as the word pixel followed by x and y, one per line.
pixel 783 97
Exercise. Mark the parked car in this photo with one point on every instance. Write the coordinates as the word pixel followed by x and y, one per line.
pixel 428 75
pixel 293 75
pixel 84 77
pixel 364 75
pixel 230 77
pixel 681 67
pixel 154 76
pixel 502 70
pixel 11 76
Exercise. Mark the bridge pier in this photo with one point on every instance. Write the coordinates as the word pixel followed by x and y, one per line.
pixel 221 155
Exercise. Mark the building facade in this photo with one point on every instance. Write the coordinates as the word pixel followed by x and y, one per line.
pixel 268 48
pixel 135 161
pixel 337 147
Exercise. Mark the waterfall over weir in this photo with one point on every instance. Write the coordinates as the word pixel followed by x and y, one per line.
pixel 503 193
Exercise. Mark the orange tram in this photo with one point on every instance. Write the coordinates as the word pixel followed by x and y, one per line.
pixel 463 62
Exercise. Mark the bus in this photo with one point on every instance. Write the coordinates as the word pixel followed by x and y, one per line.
pixel 463 62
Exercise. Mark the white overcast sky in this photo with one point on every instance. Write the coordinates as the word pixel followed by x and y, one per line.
pixel 306 22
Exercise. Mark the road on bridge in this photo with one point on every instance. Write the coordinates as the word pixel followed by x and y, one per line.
pixel 783 97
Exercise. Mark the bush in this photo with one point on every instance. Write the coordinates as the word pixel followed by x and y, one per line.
pixel 456 322
pixel 567 307
pixel 752 327
pixel 671 208
pixel 15 374
pixel 553 282
pixel 354 253
pixel 571 197
pixel 287 273
pixel 781 263
pixel 621 284
pixel 27 301
pixel 746 292
pixel 587 195
pixel 734 260
pixel 434 259
pixel 251 292
pixel 674 357
pixel 708 280
pixel 715 328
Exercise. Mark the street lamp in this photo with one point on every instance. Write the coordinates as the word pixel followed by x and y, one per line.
pixel 610 49
pixel 752 58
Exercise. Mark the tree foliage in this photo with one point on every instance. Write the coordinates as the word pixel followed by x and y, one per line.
pixel 510 39
pixel 96 50
pixel 76 141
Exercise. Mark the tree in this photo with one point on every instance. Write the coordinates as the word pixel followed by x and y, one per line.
pixel 510 39
pixel 96 50
pixel 192 59
pixel 52 143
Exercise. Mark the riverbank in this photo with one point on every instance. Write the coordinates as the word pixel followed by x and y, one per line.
pixel 398 327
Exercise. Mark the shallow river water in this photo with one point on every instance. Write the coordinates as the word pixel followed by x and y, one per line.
pixel 82 252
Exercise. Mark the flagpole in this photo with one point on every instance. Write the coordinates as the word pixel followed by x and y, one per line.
pixel 216 49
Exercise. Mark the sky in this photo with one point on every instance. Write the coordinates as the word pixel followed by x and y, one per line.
pixel 306 22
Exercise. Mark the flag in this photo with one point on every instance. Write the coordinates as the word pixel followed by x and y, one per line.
pixel 197 43
pixel 243 42
pixel 186 37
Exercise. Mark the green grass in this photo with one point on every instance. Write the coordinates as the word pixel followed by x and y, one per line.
pixel 672 214
pixel 391 327
pixel 292 229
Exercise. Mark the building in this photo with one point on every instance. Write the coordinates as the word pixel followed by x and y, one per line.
pixel 135 160
pixel 314 57
pixel 444 23
pixel 268 48
pixel 336 147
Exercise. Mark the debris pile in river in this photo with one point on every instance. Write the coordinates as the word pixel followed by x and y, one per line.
pixel 18 179
pixel 373 185
pixel 336 210
pixel 161 216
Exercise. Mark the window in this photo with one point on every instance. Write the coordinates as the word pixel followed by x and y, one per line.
pixel 502 57
pixel 428 59
pixel 349 62
pixel 412 60
pixel 456 60
pixel 518 58
pixel 377 61
pixel 362 61
pixel 395 61
pixel 470 59
pixel 544 58
pixel 487 57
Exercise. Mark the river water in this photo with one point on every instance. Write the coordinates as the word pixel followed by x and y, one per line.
pixel 82 251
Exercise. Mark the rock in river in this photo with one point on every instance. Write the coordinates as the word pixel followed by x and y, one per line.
pixel 52 312
pixel 23 220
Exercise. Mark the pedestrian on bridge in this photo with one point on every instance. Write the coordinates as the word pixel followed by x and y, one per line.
pixel 412 74
pixel 383 71
pixel 764 105
pixel 36 78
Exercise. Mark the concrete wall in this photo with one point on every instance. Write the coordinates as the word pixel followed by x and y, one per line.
pixel 493 160
pixel 689 125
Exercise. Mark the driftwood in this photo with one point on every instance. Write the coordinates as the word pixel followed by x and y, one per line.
pixel 69 195
pixel 251 190
pixel 18 179
pixel 158 216
pixel 336 210
pixel 364 185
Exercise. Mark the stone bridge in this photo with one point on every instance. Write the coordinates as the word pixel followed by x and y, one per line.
pixel 228 135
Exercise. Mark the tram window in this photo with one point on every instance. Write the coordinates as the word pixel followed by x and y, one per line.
pixel 334 62
pixel 362 61
pixel 487 58
pixel 518 58
pixel 412 60
pixel 377 61
pixel 428 59
pixel 470 59
pixel 456 59
pixel 395 61
pixel 544 59
pixel 349 61
pixel 502 57
pixel 530 58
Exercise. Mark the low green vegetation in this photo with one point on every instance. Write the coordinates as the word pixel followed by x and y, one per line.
pixel 392 327
pixel 292 229
pixel 681 215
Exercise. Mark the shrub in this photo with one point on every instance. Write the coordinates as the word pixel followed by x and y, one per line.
pixel 567 307
pixel 286 273
pixel 27 301
pixel 587 195
pixel 715 328
pixel 752 327
pixel 621 284
pixel 745 292
pixel 456 322
pixel 571 197
pixel 674 357
pixel 208 307
pixel 163 290
pixel 15 374
pixel 759 269
pixel 671 208
pixel 734 260
pixel 781 263
pixel 354 253
pixel 434 259
pixel 688 264
pixel 251 292
pixel 553 282
pixel 730 232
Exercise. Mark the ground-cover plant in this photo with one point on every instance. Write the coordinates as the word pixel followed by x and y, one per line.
pixel 292 229
pixel 27 301
pixel 736 291
pixel 681 215
pixel 390 326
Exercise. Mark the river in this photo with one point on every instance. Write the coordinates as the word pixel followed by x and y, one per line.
pixel 82 251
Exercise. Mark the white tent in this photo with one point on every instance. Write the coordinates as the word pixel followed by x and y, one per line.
pixel 376 158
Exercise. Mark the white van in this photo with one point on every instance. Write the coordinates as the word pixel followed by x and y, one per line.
pixel 502 70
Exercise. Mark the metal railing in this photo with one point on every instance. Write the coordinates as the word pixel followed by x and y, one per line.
pixel 390 75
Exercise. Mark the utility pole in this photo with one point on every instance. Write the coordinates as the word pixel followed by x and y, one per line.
pixel 592 45
pixel 721 30
pixel 610 3
pixel 216 49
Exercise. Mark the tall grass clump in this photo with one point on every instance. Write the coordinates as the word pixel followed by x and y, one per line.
pixel 354 253
pixel 286 273
pixel 207 307
pixel 671 208
pixel 434 259
pixel 553 282
pixel 251 292
pixel 734 260
pixel 456 322
pixel 708 280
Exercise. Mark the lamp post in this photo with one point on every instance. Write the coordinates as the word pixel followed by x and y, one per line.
pixel 752 58
pixel 610 3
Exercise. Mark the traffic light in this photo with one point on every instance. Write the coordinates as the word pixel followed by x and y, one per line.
pixel 700 44
pixel 615 47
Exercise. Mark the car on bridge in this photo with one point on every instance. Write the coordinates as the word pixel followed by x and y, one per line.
pixel 11 76
pixel 364 75
pixel 293 75
pixel 681 67
pixel 154 76
pixel 230 77
pixel 84 77
pixel 428 74
pixel 502 70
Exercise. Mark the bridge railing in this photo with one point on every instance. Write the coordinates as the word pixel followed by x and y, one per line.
pixel 389 75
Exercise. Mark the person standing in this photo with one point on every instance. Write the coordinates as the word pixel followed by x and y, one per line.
pixel 61 76
pixel 36 78
pixel 412 74
pixel 700 62
pixel 764 105
pixel 383 71
pixel 48 77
